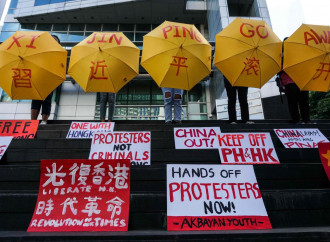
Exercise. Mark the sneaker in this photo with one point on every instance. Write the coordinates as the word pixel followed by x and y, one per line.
pixel 176 122
pixel 168 123
pixel 232 122
pixel 249 122
pixel 43 122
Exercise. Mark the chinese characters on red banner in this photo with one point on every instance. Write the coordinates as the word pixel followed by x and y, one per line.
pixel 82 195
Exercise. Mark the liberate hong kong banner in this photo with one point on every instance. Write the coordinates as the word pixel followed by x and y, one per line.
pixel 82 195
pixel 19 129
pixel 247 148
pixel 214 197
pixel 196 138
pixel 324 150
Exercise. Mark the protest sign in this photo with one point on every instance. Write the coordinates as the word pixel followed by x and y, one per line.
pixel 196 137
pixel 324 150
pixel 214 197
pixel 300 138
pixel 247 148
pixel 85 130
pixel 134 146
pixel 82 195
pixel 19 129
pixel 4 143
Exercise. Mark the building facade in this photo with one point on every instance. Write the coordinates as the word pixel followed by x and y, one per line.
pixel 74 20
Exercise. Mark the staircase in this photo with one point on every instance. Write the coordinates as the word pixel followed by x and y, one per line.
pixel 296 193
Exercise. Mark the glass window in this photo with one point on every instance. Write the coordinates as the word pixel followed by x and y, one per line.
pixel 60 27
pixel 10 26
pixel 139 36
pixel 143 27
pixel 44 27
pixel 110 27
pixel 77 27
pixel 129 35
pixel 5 35
pixel 57 1
pixel 41 2
pixel 26 27
pixel 61 35
pixel 76 37
pixel 126 27
pixel 93 27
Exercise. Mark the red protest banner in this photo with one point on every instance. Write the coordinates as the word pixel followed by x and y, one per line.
pixel 19 129
pixel 324 150
pixel 82 195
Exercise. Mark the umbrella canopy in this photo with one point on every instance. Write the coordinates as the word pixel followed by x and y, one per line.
pixel 307 57
pixel 176 55
pixel 32 65
pixel 104 62
pixel 248 52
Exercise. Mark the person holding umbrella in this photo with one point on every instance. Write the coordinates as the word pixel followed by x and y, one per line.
pixel 46 104
pixel 107 97
pixel 172 97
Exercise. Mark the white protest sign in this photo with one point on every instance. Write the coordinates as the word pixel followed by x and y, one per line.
pixel 214 197
pixel 247 148
pixel 300 138
pixel 196 138
pixel 134 146
pixel 85 130
pixel 4 143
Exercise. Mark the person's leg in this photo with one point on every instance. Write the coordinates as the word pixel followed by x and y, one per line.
pixel 46 107
pixel 35 109
pixel 103 105
pixel 231 94
pixel 242 98
pixel 304 106
pixel 292 92
pixel 112 102
pixel 168 101
pixel 178 93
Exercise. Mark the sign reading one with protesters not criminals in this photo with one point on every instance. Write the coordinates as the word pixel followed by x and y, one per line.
pixel 196 138
pixel 134 146
pixel 214 197
pixel 300 138
pixel 82 195
pixel 19 129
pixel 247 148
pixel 85 130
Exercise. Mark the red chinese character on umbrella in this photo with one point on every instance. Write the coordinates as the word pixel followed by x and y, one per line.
pixel 325 67
pixel 251 64
pixel 95 73
pixel 22 77
pixel 179 62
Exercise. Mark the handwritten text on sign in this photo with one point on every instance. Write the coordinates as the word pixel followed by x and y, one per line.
pixel 19 129
pixel 85 130
pixel 300 138
pixel 214 197
pixel 82 195
pixel 247 148
pixel 196 138
pixel 134 146
pixel 4 144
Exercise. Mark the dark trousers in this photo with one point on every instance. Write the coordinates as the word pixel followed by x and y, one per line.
pixel 46 104
pixel 242 98
pixel 297 101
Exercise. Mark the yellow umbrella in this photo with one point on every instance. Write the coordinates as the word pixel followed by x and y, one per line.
pixel 248 52
pixel 307 57
pixel 32 65
pixel 104 62
pixel 176 55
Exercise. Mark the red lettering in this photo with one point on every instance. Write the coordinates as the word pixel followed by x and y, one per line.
pixel 191 32
pixel 32 41
pixel 265 31
pixel 251 32
pixel 185 189
pixel 102 40
pixel 199 191
pixel 118 41
pixel 321 38
pixel 215 190
pixel 91 41
pixel 167 29
pixel 174 187
pixel 268 154
pixel 309 37
pixel 225 152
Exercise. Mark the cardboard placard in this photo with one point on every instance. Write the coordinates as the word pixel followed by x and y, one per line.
pixel 300 138
pixel 214 197
pixel 324 150
pixel 247 148
pixel 82 195
pixel 196 138
pixel 4 144
pixel 134 146
pixel 85 130
pixel 19 129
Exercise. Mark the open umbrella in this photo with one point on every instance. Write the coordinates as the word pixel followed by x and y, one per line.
pixel 307 57
pixel 248 52
pixel 176 55
pixel 104 62
pixel 32 65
